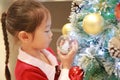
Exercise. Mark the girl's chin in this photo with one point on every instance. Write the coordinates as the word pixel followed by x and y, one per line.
pixel 46 46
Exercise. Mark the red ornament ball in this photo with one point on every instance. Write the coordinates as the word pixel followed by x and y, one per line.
pixel 76 73
pixel 117 11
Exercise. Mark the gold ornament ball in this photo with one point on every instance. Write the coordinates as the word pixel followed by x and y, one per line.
pixel 66 28
pixel 93 23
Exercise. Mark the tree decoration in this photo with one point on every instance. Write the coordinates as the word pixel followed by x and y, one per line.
pixel 66 29
pixel 65 41
pixel 117 11
pixel 95 23
pixel 76 73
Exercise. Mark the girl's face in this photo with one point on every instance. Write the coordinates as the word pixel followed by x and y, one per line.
pixel 43 35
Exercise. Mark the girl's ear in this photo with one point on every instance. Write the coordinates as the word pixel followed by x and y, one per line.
pixel 24 36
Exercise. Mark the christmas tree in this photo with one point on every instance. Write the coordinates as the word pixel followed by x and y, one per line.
pixel 95 23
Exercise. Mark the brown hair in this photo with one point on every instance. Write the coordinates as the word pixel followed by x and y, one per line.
pixel 22 15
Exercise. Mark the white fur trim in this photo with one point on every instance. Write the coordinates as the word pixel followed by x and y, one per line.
pixel 64 74
pixel 46 68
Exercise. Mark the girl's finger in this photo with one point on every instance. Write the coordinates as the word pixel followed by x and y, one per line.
pixel 74 48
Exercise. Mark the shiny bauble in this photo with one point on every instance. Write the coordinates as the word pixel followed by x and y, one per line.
pixel 117 11
pixel 93 23
pixel 66 28
pixel 65 43
pixel 76 73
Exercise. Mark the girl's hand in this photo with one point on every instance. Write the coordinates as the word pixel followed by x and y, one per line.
pixel 114 47
pixel 66 60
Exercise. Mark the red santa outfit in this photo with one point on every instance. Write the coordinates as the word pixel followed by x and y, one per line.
pixel 31 68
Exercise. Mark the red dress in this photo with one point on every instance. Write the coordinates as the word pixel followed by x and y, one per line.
pixel 30 68
pixel 28 72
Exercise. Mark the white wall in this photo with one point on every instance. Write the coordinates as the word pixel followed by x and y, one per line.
pixel 13 47
pixel 2 56
pixel 13 56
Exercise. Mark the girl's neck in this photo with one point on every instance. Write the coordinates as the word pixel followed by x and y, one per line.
pixel 37 54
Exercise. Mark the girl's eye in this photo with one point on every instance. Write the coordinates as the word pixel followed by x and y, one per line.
pixel 47 31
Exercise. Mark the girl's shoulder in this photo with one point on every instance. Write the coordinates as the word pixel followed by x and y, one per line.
pixel 23 69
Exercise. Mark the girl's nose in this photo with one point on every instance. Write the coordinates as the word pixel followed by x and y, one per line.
pixel 51 34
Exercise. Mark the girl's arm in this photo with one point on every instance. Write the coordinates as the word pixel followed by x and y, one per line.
pixel 66 61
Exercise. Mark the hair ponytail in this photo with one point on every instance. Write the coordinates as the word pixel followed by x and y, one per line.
pixel 3 20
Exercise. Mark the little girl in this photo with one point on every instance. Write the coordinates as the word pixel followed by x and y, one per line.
pixel 30 23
